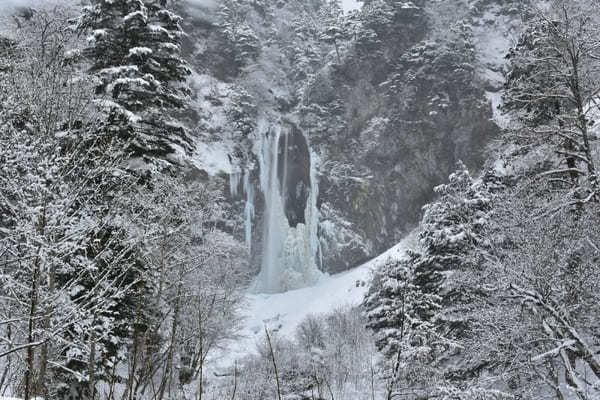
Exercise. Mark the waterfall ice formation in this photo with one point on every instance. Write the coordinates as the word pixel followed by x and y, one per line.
pixel 289 184
pixel 248 210
pixel 235 179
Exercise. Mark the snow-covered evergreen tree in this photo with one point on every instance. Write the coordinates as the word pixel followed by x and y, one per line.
pixel 453 232
pixel 401 316
pixel 242 44
pixel 423 308
pixel 393 20
pixel 334 27
pixel 456 250
pixel 398 311
pixel 134 52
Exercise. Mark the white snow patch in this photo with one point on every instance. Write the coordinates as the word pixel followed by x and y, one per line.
pixel 212 158
pixel 493 42
pixel 8 8
pixel 11 4
pixel 593 115
pixel 140 51
pixel 493 36
pixel 502 119
pixel 215 144
pixel 349 5
pixel 203 3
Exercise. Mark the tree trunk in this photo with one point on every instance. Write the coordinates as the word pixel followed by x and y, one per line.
pixel 166 381
pixel 33 297
pixel 92 363
pixel 234 380
pixel 337 52
pixel 582 123
pixel 42 388
pixel 274 363
pixel 136 334
pixel 153 331
pixel 7 367
pixel 29 362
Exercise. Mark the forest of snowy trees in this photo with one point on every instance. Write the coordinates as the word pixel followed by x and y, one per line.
pixel 500 299
pixel 111 256
pixel 125 262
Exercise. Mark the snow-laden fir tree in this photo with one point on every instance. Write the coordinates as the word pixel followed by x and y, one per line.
pixel 455 252
pixel 393 21
pixel 453 233
pixel 304 52
pixel 134 52
pixel 242 112
pixel 398 311
pixel 425 307
pixel 241 43
pixel 401 316
pixel 331 17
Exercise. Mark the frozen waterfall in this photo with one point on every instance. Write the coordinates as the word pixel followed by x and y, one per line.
pixel 288 183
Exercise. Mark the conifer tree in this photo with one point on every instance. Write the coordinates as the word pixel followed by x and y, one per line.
pixel 242 42
pixel 401 316
pixel 334 29
pixel 134 52
pixel 452 227
pixel 422 308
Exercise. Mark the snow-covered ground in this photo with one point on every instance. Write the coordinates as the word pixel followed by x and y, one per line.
pixel 349 5
pixel 496 32
pixel 282 312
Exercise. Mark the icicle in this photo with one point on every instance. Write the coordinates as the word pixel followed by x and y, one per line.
pixel 234 183
pixel 269 280
pixel 248 209
pixel 285 164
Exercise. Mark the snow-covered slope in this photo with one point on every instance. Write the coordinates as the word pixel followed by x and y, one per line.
pixel 282 312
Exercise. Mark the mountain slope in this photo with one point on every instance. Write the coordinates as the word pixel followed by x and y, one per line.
pixel 386 108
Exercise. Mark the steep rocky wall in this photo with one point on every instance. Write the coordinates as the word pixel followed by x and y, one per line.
pixel 387 111
pixel 395 120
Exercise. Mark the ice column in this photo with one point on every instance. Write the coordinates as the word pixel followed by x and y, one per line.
pixel 288 252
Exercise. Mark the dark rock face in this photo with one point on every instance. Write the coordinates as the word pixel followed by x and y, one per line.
pixel 397 161
pixel 396 122
pixel 293 170
pixel 387 121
